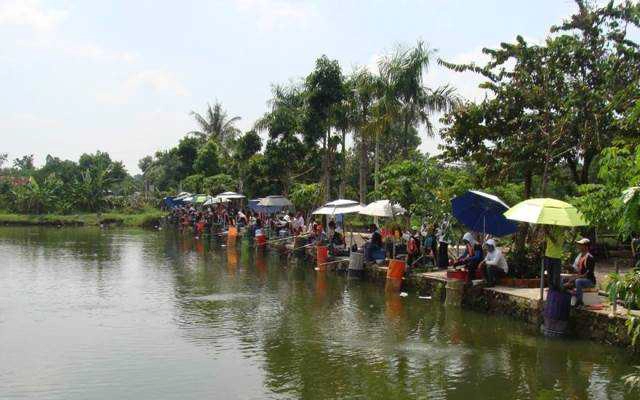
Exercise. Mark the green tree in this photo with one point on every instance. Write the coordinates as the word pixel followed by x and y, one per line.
pixel 187 152
pixel 193 183
pixel 24 164
pixel 217 184
pixel 101 161
pixel 285 152
pixel 207 162
pixel 216 125
pixel 38 198
pixel 362 94
pixel 305 197
pixel 325 91
pixel 246 147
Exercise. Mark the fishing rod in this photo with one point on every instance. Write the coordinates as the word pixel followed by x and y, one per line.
pixel 286 238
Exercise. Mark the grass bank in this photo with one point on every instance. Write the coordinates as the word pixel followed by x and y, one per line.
pixel 144 218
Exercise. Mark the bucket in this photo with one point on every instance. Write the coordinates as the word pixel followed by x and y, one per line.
pixel 457 274
pixel 322 254
pixel 396 269
pixel 233 231
pixel 356 261
pixel 556 313
pixel 261 240
pixel 454 292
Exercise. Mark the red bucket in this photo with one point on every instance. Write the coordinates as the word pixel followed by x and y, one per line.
pixel 322 254
pixel 396 269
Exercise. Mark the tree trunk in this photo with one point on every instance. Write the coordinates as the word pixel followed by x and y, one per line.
pixel 521 236
pixel 364 168
pixel 343 180
pixel 405 150
pixel 326 173
pixel 377 163
pixel 586 165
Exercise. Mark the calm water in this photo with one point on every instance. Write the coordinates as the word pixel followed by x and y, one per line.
pixel 128 314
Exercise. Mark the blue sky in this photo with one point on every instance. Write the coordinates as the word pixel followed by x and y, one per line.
pixel 122 76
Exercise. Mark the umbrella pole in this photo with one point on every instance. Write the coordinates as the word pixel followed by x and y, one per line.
pixel 542 281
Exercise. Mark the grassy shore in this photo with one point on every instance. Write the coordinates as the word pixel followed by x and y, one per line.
pixel 143 218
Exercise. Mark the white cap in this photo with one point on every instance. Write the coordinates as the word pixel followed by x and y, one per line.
pixel 490 242
pixel 469 238
pixel 583 241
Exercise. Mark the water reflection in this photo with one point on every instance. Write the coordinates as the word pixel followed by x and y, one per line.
pixel 184 318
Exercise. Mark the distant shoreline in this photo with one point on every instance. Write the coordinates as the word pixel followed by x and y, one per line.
pixel 142 219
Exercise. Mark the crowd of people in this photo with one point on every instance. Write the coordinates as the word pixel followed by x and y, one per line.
pixel 481 257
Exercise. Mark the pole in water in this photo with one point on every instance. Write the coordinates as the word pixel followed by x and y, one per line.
pixel 614 306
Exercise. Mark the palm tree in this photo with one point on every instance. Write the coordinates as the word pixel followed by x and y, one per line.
pixel 362 84
pixel 402 96
pixel 216 125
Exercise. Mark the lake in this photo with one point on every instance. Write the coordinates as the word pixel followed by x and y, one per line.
pixel 133 314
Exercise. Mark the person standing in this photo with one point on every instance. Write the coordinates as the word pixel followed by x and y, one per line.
pixel 443 247
pixel 553 256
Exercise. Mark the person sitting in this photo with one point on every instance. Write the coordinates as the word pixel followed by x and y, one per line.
pixel 495 264
pixel 337 245
pixel 298 224
pixel 320 237
pixel 585 266
pixel 242 219
pixel 471 257
pixel 413 247
pixel 374 248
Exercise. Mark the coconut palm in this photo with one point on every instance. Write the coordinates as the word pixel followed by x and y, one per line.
pixel 402 96
pixel 362 85
pixel 216 125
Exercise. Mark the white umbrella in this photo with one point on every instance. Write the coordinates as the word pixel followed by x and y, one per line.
pixel 182 196
pixel 337 207
pixel 275 201
pixel 382 208
pixel 231 195
pixel 215 200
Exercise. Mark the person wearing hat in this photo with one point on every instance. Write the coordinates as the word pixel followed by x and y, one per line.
pixel 495 263
pixel 471 257
pixel 584 265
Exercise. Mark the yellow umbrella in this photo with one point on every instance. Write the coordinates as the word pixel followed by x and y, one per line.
pixel 546 212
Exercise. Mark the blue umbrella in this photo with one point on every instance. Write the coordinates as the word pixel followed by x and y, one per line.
pixel 482 212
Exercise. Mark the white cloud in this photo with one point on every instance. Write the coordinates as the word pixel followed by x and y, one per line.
pixel 88 51
pixel 30 13
pixel 157 80
pixel 275 14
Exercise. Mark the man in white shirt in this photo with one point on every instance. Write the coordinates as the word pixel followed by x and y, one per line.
pixel 495 263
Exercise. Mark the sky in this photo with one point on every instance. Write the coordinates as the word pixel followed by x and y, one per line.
pixel 122 76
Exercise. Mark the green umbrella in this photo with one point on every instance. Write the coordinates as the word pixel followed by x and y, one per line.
pixel 200 198
pixel 546 212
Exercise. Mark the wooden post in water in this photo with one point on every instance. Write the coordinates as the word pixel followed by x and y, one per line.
pixel 614 306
